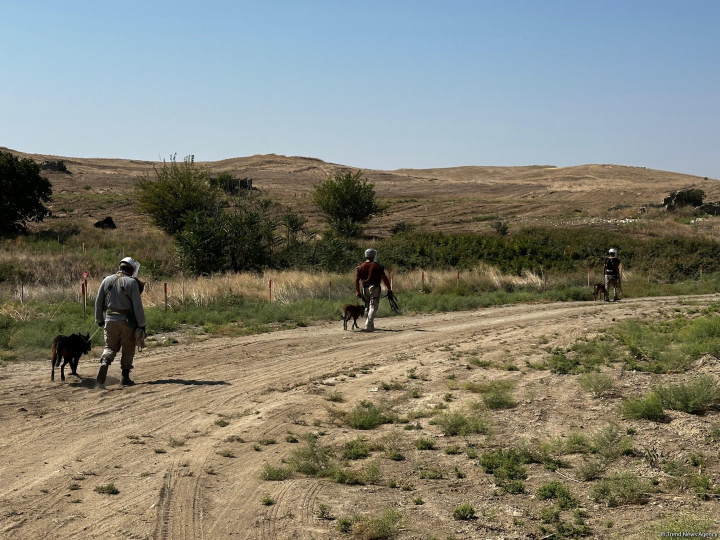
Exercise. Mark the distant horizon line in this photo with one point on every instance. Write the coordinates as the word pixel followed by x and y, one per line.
pixel 272 154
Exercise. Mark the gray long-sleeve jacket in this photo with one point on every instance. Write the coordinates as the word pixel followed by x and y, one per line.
pixel 111 303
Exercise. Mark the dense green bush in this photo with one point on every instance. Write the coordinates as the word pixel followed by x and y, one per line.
pixel 557 250
pixel 177 191
pixel 23 193
pixel 347 202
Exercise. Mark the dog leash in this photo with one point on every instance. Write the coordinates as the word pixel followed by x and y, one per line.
pixel 95 332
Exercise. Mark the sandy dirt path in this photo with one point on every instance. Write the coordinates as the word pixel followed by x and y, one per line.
pixel 181 474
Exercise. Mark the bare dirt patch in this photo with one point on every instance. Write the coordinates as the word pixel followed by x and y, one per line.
pixel 186 447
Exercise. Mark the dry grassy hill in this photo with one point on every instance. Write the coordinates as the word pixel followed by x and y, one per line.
pixel 448 199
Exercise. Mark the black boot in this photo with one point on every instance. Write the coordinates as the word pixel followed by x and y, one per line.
pixel 102 374
pixel 125 379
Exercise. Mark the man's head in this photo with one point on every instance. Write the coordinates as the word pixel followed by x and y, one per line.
pixel 129 266
pixel 612 252
pixel 370 254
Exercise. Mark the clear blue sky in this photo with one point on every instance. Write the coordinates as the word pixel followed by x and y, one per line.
pixel 372 84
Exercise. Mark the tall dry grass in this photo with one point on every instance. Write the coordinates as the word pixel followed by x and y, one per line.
pixel 287 286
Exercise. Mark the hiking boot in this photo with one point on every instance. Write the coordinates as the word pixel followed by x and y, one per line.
pixel 125 379
pixel 102 374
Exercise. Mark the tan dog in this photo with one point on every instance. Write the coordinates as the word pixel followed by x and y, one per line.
pixel 353 311
pixel 599 290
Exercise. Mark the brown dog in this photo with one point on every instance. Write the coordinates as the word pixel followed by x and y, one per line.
pixel 353 311
pixel 599 290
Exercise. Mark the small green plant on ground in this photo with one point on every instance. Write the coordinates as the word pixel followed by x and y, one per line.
pixel 312 459
pixel 590 469
pixel 366 415
pixel 425 443
pixel 458 423
pixel 622 489
pixel 275 473
pixel 464 512
pixel 222 422
pixel 356 449
pixel 335 397
pixel 383 527
pixel 684 524
pixel 695 396
pixel 267 500
pixel 174 443
pixel 226 453
pixel 596 384
pixel 508 468
pixel 553 526
pixel 324 512
pixel 647 407
pixel 556 491
pixel 107 489
pixel 610 443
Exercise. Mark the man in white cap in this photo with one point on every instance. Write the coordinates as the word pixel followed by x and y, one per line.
pixel 613 275
pixel 118 307
pixel 370 274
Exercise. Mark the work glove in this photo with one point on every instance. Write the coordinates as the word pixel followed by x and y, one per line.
pixel 101 323
pixel 358 295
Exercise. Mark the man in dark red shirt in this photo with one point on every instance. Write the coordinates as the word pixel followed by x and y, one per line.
pixel 369 275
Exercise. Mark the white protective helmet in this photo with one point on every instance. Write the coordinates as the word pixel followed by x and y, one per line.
pixel 370 253
pixel 612 250
pixel 133 263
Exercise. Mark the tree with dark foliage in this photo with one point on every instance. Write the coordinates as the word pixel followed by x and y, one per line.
pixel 22 193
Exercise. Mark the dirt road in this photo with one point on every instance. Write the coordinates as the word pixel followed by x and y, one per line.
pixel 186 446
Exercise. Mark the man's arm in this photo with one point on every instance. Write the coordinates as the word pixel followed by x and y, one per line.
pixel 100 305
pixel 386 281
pixel 137 305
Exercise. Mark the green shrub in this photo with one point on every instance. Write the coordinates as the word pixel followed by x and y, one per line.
pixel 596 384
pixel 275 474
pixel 689 525
pixel 24 192
pixel 696 396
pixel 458 423
pixel 366 415
pixel 508 468
pixel 425 443
pixel 648 407
pixel 590 469
pixel 610 443
pixel 385 526
pixel 107 489
pixel 356 449
pixel 347 201
pixel 312 459
pixel 464 512
pixel 499 400
pixel 557 491
pixel 177 190
pixel 621 489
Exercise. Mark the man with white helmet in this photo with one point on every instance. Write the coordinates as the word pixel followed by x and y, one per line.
pixel 613 275
pixel 118 307
pixel 370 274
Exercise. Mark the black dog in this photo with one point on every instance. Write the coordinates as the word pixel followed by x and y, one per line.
pixel 69 349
